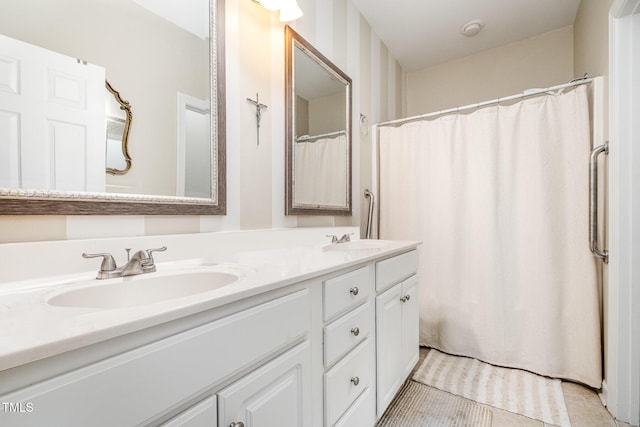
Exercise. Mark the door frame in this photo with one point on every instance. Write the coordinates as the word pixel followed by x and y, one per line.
pixel 621 388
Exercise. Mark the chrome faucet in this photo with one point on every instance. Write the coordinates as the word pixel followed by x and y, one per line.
pixel 141 262
pixel 345 238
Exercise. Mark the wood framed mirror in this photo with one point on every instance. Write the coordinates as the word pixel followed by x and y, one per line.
pixel 317 132
pixel 121 37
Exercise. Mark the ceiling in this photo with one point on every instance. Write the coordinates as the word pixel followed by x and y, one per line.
pixel 423 33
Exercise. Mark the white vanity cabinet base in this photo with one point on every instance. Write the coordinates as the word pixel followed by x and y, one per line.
pixel 203 414
pixel 346 291
pixel 362 412
pixel 136 386
pixel 276 394
pixel 410 326
pixel 343 334
pixel 397 341
pixel 388 343
pixel 347 380
pixel 393 270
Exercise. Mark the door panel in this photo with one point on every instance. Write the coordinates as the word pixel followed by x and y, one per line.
pixel 45 93
pixel 410 323
pixel 388 345
pixel 276 394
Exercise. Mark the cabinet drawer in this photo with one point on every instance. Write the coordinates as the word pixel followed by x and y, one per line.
pixel 361 413
pixel 346 291
pixel 142 383
pixel 346 381
pixel 343 334
pixel 393 270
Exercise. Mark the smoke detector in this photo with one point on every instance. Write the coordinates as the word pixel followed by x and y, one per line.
pixel 472 28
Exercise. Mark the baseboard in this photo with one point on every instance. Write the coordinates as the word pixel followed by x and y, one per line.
pixel 604 393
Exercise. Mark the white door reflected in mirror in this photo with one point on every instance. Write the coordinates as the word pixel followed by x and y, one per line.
pixel 194 151
pixel 51 120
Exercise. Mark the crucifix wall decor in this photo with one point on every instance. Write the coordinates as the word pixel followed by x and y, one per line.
pixel 259 108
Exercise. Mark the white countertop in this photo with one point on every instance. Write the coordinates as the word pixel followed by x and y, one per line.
pixel 31 329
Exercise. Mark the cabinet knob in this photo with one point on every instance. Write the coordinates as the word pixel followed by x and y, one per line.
pixel 355 331
pixel 354 291
pixel 405 298
pixel 355 380
pixel 237 424
pixel 408 297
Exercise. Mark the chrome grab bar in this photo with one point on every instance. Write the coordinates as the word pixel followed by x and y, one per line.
pixel 593 201
pixel 371 198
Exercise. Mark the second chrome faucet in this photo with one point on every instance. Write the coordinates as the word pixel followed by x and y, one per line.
pixel 140 262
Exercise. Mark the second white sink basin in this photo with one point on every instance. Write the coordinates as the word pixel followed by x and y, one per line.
pixel 143 289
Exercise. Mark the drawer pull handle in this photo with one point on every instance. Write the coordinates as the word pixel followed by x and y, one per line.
pixel 354 291
pixel 355 380
pixel 238 424
pixel 355 331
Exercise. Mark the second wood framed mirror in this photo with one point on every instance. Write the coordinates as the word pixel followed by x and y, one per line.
pixel 318 131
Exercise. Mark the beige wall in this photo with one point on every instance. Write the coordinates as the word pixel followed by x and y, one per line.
pixel 591 56
pixel 541 61
pixel 255 173
pixel 591 38
pixel 327 114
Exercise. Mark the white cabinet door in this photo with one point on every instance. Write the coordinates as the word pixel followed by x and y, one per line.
pixel 397 345
pixel 202 414
pixel 410 338
pixel 52 120
pixel 388 345
pixel 276 394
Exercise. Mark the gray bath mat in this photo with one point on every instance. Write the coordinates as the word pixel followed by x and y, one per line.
pixel 417 405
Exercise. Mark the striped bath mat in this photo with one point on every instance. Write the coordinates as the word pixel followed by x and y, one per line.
pixel 513 390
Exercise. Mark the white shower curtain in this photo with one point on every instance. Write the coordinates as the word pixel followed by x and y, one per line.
pixel 499 198
pixel 320 178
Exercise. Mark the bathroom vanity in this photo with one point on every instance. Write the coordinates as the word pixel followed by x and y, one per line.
pixel 320 335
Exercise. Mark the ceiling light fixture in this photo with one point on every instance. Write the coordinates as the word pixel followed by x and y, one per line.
pixel 289 9
pixel 472 28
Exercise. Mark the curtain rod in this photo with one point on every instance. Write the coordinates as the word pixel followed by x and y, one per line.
pixel 522 95
pixel 309 137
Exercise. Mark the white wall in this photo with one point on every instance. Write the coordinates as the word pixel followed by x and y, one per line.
pixel 623 355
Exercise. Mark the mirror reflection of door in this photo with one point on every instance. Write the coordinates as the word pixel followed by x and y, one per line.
pixel 194 149
pixel 51 115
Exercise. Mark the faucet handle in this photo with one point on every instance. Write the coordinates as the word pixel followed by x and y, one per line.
pixel 334 238
pixel 346 237
pixel 150 252
pixel 108 263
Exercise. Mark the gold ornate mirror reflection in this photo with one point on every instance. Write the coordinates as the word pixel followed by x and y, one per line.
pixel 118 158
pixel 318 132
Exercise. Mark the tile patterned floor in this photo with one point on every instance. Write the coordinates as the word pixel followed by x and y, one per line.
pixel 583 404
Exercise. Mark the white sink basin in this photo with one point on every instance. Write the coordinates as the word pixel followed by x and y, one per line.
pixel 143 289
pixel 357 245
